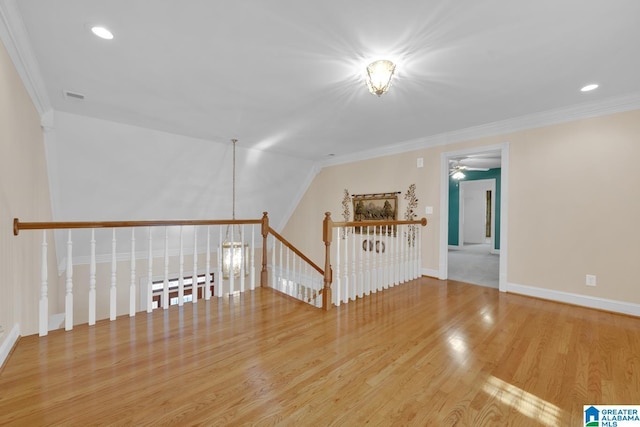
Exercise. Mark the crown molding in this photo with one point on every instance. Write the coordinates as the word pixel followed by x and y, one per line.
pixel 14 36
pixel 531 121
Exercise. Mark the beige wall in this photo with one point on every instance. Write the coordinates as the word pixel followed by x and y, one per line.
pixel 573 201
pixel 24 193
pixel 381 175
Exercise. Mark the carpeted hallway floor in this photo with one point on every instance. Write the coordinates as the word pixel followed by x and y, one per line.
pixel 473 263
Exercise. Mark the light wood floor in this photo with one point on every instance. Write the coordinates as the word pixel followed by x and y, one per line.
pixel 425 353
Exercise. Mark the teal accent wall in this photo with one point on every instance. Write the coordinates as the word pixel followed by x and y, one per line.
pixel 454 203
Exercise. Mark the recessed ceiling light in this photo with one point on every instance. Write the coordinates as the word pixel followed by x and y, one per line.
pixel 102 32
pixel 590 87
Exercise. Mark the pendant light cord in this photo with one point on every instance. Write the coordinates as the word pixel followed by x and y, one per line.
pixel 233 202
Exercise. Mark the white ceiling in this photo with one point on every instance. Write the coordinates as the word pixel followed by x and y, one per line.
pixel 286 76
pixel 181 78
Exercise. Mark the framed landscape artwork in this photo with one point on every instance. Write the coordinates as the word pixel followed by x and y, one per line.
pixel 375 207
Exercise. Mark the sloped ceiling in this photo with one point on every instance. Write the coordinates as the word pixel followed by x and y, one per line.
pixel 285 77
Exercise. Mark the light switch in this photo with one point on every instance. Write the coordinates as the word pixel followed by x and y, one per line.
pixel 428 210
pixel 420 162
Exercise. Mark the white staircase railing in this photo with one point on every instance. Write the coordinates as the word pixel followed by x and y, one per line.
pixel 293 274
pixel 102 278
pixel 372 256
pixel 369 257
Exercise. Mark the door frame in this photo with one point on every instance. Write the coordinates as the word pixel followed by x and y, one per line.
pixel 461 209
pixel 443 263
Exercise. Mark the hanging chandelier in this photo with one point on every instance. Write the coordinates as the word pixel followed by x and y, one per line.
pixel 379 74
pixel 234 252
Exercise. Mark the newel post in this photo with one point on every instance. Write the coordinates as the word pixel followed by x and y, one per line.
pixel 264 277
pixel 327 232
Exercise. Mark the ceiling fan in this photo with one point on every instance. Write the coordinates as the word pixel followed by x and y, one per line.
pixel 456 169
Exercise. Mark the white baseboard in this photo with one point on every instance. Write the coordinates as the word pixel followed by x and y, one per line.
pixel 576 299
pixel 8 342
pixel 430 272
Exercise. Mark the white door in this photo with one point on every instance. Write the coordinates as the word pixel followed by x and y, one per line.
pixel 473 210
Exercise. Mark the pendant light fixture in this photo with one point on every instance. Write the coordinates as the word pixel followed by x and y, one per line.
pixel 234 252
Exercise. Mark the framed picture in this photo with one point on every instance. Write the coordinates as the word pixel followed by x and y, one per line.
pixel 375 207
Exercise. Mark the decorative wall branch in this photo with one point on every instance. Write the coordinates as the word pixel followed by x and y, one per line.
pixel 346 213
pixel 410 214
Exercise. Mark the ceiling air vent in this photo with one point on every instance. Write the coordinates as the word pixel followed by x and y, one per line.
pixel 73 95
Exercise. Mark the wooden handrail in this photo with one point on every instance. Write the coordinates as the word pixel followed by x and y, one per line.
pixel 295 250
pixel 17 225
pixel 422 222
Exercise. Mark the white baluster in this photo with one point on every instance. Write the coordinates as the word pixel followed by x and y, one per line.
pixel 337 283
pixel 299 282
pixel 150 273
pixel 232 270
pixel 389 254
pixel 382 255
pixel 380 258
pixel 412 258
pixel 367 285
pixel 412 263
pixel 43 321
pixel 218 288
pixel 294 273
pixel 252 271
pixel 243 259
pixel 92 279
pixel 387 257
pixel 274 284
pixel 68 299
pixel 207 275
pixel 419 263
pixel 181 276
pixel 165 282
pixel 396 267
pixel 132 284
pixel 288 274
pixel 344 262
pixel 112 289
pixel 305 283
pixel 361 272
pixel 282 274
pixel 400 254
pixel 354 283
pixel 374 261
pixel 403 256
pixel 348 285
pixel 407 254
pixel 194 277
pixel 295 278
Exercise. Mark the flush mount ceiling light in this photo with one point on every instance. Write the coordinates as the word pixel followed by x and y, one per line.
pixel 102 32
pixel 379 74
pixel 590 87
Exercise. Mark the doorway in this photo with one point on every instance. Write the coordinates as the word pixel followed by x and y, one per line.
pixel 465 243
pixel 475 258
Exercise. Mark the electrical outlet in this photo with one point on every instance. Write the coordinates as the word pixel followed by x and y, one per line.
pixel 590 280
pixel 420 162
